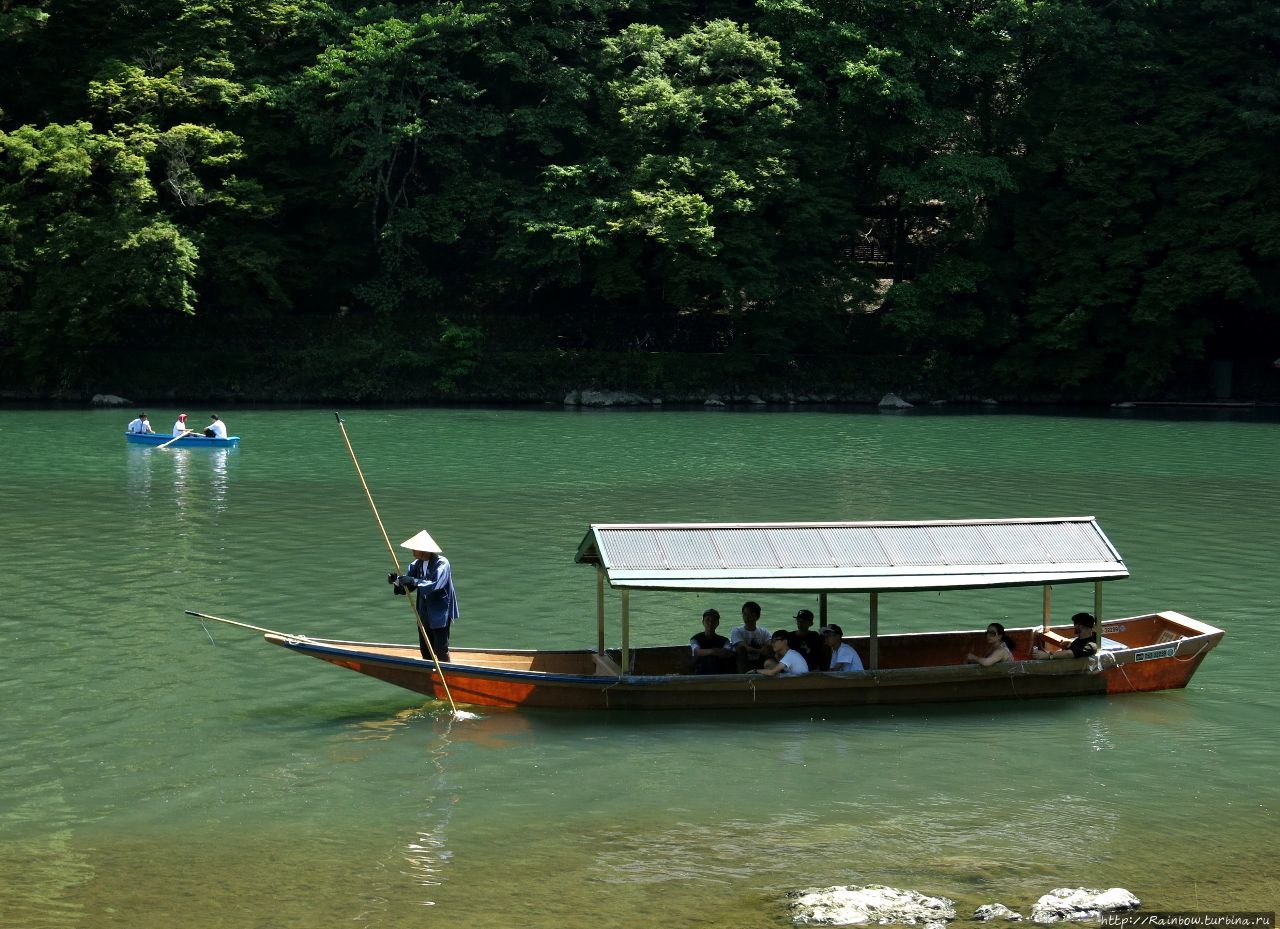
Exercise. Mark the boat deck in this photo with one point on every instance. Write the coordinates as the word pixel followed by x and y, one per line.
pixel 909 650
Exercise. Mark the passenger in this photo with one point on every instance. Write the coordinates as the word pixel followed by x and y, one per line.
pixel 1082 646
pixel 181 425
pixel 999 648
pixel 140 426
pixel 711 654
pixel 810 643
pixel 786 660
pixel 216 429
pixel 750 642
pixel 843 656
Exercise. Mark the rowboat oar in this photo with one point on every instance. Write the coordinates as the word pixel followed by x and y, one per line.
pixel 184 432
pixel 395 561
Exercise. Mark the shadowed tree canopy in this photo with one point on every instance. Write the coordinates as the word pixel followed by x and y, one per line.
pixel 1074 198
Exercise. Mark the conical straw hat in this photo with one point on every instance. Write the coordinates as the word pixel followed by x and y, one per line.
pixel 422 542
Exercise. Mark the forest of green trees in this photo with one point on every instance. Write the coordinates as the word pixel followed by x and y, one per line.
pixel 315 198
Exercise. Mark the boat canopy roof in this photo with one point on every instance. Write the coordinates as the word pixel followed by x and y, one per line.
pixel 864 556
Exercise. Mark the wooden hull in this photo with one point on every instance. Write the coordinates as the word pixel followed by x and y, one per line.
pixel 1159 651
pixel 187 441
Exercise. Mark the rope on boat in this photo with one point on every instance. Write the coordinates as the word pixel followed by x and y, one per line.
pixel 1199 652
pixel 231 622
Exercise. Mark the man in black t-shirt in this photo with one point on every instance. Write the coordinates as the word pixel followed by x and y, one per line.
pixel 1082 646
pixel 711 653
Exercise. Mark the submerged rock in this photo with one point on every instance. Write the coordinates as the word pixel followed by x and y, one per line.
pixel 894 402
pixel 1066 903
pixel 990 911
pixel 873 903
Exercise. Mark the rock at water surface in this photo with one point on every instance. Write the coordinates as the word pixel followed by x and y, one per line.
pixel 1067 903
pixel 109 400
pixel 713 400
pixel 604 398
pixel 990 911
pixel 894 402
pixel 873 903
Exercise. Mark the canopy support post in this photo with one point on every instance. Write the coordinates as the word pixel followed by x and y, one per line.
pixel 626 631
pixel 822 609
pixel 1048 591
pixel 600 611
pixel 873 650
pixel 1097 606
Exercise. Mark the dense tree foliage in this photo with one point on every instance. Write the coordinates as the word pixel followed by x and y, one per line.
pixel 1071 196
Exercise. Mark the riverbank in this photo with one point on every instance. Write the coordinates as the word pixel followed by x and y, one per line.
pixel 363 374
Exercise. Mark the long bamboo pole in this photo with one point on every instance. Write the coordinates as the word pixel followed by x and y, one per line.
pixel 395 561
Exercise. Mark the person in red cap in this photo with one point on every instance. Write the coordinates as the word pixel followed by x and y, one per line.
pixel 180 426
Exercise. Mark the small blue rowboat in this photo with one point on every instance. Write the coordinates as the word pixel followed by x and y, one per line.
pixel 187 441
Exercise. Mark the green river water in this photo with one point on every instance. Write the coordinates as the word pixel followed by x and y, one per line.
pixel 157 775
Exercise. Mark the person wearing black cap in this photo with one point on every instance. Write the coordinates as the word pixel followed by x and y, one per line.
pixel 1082 646
pixel 140 426
pixel 810 643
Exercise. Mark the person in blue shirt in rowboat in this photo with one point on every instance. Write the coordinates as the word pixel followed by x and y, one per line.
pixel 140 426
pixel 431 577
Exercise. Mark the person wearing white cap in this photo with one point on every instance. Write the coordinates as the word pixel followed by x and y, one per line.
pixel 431 577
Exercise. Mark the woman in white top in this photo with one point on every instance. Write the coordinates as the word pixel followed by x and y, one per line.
pixel 181 425
pixel 843 657
pixel 999 648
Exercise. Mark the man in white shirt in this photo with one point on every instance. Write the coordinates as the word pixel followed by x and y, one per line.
pixel 749 642
pixel 786 661
pixel 843 657
pixel 217 429
pixel 140 426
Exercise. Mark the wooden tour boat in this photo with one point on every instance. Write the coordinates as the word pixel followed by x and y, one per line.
pixel 187 441
pixel 1155 651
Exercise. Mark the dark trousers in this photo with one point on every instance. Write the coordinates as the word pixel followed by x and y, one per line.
pixel 439 641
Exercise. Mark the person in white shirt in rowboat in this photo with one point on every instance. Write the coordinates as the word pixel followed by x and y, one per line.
pixel 216 429
pixel 180 426
pixel 140 426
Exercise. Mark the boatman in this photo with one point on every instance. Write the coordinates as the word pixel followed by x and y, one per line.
pixel 180 426
pixel 140 426
pixel 431 576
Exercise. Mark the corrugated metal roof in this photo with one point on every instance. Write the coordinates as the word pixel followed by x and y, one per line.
pixel 853 556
